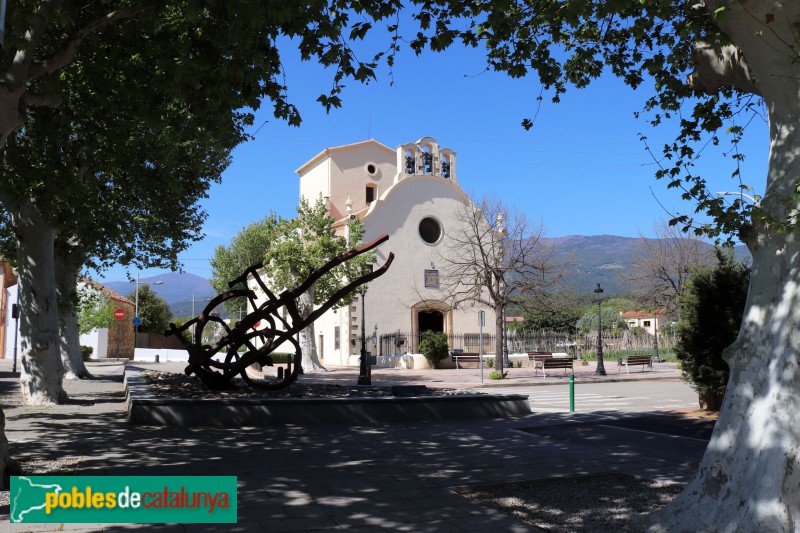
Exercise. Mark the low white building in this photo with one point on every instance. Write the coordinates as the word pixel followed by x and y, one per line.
pixel 649 321
pixel 411 193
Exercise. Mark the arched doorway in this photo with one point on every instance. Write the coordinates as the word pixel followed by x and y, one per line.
pixel 431 320
pixel 430 315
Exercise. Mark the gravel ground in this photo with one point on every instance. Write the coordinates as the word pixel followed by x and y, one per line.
pixel 597 503
pixel 65 466
pixel 174 385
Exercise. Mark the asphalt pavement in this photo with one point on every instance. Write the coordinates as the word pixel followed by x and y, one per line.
pixel 392 477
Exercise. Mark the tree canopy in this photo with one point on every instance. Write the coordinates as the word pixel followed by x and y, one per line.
pixel 247 248
pixel 153 309
pixel 290 250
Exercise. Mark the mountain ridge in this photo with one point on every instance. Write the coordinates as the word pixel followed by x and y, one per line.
pixel 596 259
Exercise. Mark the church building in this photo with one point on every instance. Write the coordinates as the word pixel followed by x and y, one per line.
pixel 411 193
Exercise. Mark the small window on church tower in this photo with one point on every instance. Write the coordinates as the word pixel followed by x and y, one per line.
pixel 370 194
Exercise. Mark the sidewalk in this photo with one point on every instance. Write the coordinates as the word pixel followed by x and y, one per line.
pixel 394 477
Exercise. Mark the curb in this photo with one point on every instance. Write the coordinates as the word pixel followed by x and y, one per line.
pixel 145 408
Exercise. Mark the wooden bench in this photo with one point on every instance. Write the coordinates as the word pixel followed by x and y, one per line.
pixel 556 362
pixel 465 357
pixel 643 360
pixel 538 357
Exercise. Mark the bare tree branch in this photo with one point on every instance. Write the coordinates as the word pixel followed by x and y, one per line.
pixel 663 265
pixel 496 258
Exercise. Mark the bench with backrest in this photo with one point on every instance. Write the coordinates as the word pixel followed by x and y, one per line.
pixel 551 363
pixel 538 357
pixel 633 360
pixel 465 357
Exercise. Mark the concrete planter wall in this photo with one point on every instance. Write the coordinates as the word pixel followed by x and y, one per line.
pixel 145 408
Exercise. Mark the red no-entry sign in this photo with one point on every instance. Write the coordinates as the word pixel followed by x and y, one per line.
pixel 119 314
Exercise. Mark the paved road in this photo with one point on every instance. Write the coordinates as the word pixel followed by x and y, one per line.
pixel 614 396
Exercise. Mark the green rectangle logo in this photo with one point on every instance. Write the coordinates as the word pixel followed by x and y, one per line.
pixel 123 499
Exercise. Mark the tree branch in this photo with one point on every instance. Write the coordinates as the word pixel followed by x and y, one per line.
pixel 64 56
pixel 718 66
pixel 48 99
pixel 24 56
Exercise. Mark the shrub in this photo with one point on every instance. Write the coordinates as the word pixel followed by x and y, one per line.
pixel 489 362
pixel 498 375
pixel 86 352
pixel 711 313
pixel 434 347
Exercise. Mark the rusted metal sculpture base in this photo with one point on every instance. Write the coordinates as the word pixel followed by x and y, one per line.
pixel 283 322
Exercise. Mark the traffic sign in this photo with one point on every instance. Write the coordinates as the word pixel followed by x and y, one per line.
pixel 119 314
pixel 137 321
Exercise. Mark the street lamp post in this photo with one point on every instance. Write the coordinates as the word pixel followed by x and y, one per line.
pixel 601 369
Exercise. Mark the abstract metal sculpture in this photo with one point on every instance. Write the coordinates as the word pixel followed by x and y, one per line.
pixel 279 313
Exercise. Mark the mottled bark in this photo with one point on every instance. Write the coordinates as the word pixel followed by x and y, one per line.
pixel 42 372
pixel 499 361
pixel 68 264
pixel 749 478
pixel 311 362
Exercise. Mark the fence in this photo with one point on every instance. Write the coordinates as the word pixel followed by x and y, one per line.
pixel 158 341
pixel 402 343
pixel 537 341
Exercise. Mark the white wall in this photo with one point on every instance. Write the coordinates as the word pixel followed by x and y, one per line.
pixel 11 324
pixel 399 214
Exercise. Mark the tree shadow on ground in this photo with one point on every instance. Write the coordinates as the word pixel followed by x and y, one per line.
pixel 388 476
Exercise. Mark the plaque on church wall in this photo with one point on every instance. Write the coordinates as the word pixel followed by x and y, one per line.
pixel 431 279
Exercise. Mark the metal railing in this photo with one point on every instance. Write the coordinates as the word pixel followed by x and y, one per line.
pixel 538 341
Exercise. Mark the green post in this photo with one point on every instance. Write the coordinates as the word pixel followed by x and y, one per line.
pixel 572 393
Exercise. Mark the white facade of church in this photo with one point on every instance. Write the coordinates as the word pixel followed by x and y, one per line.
pixel 411 193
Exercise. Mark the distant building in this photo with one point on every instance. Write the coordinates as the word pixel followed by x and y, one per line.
pixel 413 194
pixel 650 322
pixel 116 341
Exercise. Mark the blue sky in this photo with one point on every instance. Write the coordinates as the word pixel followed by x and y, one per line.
pixel 581 169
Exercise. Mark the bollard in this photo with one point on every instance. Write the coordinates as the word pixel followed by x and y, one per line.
pixel 572 393
pixel 280 372
pixel 157 358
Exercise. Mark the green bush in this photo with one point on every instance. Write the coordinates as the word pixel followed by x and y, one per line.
pixel 434 347
pixel 86 352
pixel 711 314
pixel 498 375
pixel 281 358
pixel 489 362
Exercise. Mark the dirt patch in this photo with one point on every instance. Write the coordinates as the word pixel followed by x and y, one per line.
pixel 64 466
pixel 174 385
pixel 705 415
pixel 595 503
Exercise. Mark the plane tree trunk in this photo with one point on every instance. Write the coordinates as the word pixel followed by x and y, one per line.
pixel 41 371
pixel 311 362
pixel 68 264
pixel 749 478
